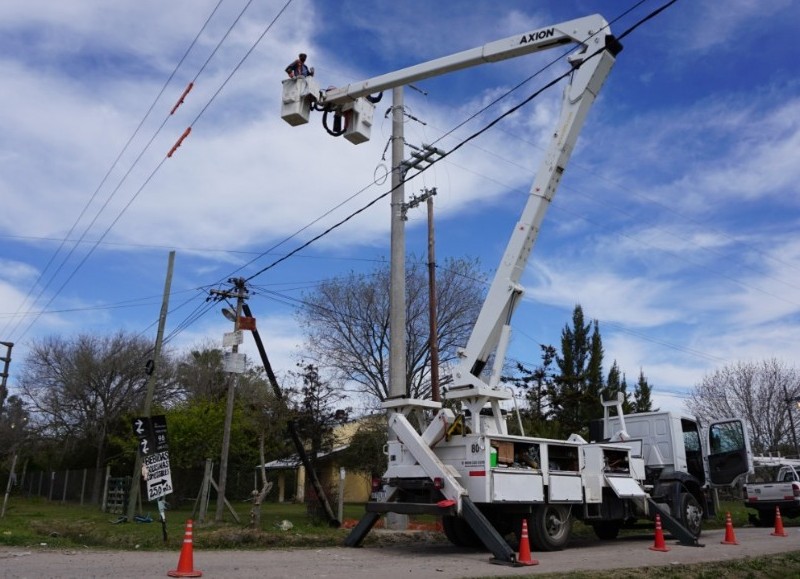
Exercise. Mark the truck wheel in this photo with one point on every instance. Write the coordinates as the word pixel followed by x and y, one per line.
pixel 459 532
pixel 550 527
pixel 606 530
pixel 691 514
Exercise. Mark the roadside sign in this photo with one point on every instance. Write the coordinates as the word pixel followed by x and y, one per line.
pixel 157 474
pixel 233 362
pixel 230 339
pixel 160 432
pixel 154 448
pixel 247 323
pixel 152 434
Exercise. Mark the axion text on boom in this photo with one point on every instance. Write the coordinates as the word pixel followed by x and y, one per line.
pixel 538 35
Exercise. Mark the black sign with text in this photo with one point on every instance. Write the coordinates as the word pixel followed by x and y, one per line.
pixel 152 434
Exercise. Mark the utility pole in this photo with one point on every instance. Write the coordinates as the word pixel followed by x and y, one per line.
pixel 397 266
pixel 240 294
pixel 790 404
pixel 6 360
pixel 133 496
pixel 17 438
pixel 433 339
pixel 434 326
pixel 294 434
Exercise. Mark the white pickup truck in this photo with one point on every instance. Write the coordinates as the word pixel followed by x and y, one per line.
pixel 774 484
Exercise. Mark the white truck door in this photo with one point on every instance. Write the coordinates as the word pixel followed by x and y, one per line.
pixel 728 452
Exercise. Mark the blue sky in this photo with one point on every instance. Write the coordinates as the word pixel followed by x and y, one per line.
pixel 674 225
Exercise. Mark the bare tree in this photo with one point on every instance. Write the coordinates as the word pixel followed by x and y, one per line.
pixel 80 388
pixel 756 392
pixel 346 322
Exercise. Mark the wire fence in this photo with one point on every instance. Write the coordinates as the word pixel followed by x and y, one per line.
pixel 109 490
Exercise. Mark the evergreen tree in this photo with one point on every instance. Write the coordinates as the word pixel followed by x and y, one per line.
pixel 616 383
pixel 537 384
pixel 567 402
pixel 568 395
pixel 591 406
pixel 641 395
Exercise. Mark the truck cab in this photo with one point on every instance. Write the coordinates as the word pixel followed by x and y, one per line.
pixel 683 459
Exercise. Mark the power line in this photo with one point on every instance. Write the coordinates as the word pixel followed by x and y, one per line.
pixel 158 167
pixel 102 183
pixel 422 169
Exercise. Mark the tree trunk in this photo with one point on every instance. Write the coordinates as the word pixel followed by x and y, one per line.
pixel 258 497
pixel 98 467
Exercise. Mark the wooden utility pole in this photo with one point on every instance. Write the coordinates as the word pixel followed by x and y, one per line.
pixel 240 294
pixel 133 496
pixel 433 337
pixel 434 327
pixel 6 362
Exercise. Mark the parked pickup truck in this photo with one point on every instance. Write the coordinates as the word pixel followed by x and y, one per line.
pixel 773 485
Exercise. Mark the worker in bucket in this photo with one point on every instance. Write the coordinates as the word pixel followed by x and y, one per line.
pixel 298 67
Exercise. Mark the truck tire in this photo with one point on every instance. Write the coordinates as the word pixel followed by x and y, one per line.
pixel 550 527
pixel 691 514
pixel 459 532
pixel 607 530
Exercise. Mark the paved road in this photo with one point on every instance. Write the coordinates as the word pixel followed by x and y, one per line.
pixel 407 561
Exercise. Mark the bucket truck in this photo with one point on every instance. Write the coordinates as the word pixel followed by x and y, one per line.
pixel 462 464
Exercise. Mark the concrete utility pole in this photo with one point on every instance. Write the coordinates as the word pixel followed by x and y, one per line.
pixel 397 275
pixel 133 496
pixel 240 294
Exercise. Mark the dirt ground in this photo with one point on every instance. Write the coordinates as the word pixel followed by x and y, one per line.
pixel 407 558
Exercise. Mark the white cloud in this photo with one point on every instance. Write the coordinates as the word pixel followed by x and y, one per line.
pixel 721 25
pixel 675 221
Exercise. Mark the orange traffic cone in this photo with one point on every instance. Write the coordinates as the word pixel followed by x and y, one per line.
pixel 730 536
pixel 525 547
pixel 779 532
pixel 186 563
pixel 660 544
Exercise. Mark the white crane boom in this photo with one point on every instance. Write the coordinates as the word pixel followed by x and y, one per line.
pixel 591 63
pixel 589 31
pixel 492 330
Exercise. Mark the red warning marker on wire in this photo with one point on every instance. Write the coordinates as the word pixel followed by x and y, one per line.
pixel 179 141
pixel 189 87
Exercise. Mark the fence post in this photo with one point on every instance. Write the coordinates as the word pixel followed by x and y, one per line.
pixel 105 489
pixel 52 484
pixel 204 490
pixel 64 492
pixel 83 486
pixel 9 485
pixel 41 477
pixel 341 493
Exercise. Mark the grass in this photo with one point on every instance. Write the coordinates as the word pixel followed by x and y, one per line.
pixel 777 566
pixel 36 522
